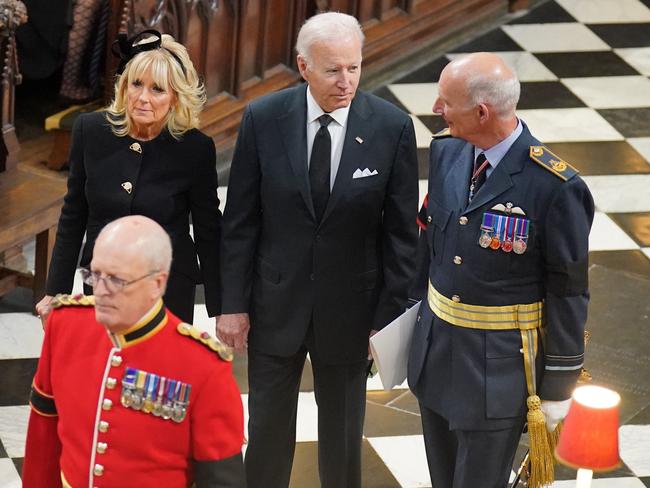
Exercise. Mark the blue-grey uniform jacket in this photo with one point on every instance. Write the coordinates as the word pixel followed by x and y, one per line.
pixel 475 378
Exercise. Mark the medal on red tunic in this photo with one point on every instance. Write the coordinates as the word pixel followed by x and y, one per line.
pixel 138 395
pixel 157 405
pixel 151 385
pixel 128 387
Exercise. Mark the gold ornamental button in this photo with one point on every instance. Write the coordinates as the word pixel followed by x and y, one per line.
pixel 103 426
pixel 455 298
pixel 101 447
pixel 116 361
pixel 463 220
pixel 110 383
pixel 429 219
pixel 107 404
pixel 458 260
pixel 98 470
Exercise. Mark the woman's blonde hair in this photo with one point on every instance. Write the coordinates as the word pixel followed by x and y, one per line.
pixel 168 73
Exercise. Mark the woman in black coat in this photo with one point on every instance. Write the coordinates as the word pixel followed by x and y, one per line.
pixel 144 155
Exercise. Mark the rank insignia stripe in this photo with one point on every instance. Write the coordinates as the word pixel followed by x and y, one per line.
pixel 552 162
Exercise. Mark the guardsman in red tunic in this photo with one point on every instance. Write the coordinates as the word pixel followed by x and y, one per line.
pixel 125 393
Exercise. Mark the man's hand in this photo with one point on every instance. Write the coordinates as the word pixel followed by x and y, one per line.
pixel 43 308
pixel 372 333
pixel 232 330
pixel 554 412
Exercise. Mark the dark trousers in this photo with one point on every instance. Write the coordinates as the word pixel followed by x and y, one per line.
pixel 467 459
pixel 340 392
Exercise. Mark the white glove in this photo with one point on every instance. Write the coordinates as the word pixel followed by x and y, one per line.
pixel 554 412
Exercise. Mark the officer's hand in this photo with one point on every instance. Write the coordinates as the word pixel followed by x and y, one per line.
pixel 554 412
pixel 43 308
pixel 232 330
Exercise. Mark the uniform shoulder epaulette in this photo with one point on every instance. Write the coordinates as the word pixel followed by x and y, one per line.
pixel 78 300
pixel 543 156
pixel 443 133
pixel 206 339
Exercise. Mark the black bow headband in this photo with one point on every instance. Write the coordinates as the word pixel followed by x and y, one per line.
pixel 126 48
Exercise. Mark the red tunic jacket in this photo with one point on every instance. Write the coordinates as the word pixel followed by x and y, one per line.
pixel 81 435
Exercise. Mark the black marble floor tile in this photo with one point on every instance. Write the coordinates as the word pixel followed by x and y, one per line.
pixel 623 35
pixel 495 40
pixel 547 94
pixel 547 12
pixel 633 262
pixel 407 402
pixel 636 225
pixel 585 64
pixel 383 421
pixel 630 122
pixel 641 418
pixel 619 322
pixel 18 463
pixel 428 73
pixel 17 375
pixel 305 468
pixel 423 163
pixel 434 123
pixel 17 301
pixel 385 93
pixel 3 451
pixel 601 158
pixel 646 480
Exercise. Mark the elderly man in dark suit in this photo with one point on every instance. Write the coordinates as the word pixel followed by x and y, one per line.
pixel 504 284
pixel 318 246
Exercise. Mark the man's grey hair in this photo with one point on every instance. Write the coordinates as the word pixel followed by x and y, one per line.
pixel 326 27
pixel 502 93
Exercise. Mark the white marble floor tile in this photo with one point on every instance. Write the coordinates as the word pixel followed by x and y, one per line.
pixel 607 236
pixel 620 193
pixel 8 475
pixel 21 336
pixel 560 37
pixel 606 11
pixel 637 57
pixel 635 448
pixel 405 457
pixel 418 98
pixel 423 186
pixel 568 125
pixel 611 91
pixel 422 133
pixel 526 65
pixel 202 321
pixel 641 144
pixel 13 429
pixel 603 483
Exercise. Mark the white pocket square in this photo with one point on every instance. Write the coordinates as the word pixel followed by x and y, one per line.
pixel 364 174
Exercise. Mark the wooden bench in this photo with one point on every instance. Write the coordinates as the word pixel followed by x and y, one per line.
pixel 29 207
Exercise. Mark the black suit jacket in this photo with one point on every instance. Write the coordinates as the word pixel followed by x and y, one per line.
pixel 348 274
pixel 475 378
pixel 169 179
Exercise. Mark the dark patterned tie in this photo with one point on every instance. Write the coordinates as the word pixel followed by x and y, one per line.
pixel 479 174
pixel 319 167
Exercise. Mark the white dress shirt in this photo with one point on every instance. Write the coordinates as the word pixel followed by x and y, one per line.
pixel 336 129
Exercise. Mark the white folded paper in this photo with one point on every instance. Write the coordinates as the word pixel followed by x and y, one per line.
pixel 390 348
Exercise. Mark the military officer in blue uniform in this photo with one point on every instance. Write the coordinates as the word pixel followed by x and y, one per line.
pixel 504 287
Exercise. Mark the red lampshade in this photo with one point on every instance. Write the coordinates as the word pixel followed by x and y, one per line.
pixel 589 438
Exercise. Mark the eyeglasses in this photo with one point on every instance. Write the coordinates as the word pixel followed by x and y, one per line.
pixel 112 283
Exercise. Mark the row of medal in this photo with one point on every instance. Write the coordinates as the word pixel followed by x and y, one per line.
pixel 504 232
pixel 155 394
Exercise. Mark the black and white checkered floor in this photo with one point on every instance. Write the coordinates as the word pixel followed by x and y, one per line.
pixel 585 68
